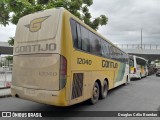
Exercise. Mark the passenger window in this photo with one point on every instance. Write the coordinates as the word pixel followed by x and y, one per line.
pixel 111 51
pixel 115 53
pixel 79 36
pixel 95 44
pixel 74 33
pixel 105 50
pixel 122 57
pixel 85 39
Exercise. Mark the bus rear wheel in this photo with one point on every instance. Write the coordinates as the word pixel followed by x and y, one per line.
pixel 140 76
pixel 146 74
pixel 95 94
pixel 104 91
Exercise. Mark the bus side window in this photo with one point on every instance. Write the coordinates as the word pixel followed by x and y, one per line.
pixel 111 52
pixel 74 33
pixel 116 55
pixel 85 39
pixel 95 45
pixel 105 50
pixel 79 37
pixel 121 57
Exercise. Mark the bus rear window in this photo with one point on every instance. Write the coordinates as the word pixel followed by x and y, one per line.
pixel 131 63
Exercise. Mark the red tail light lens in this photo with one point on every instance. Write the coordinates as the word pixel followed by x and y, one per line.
pixel 63 72
pixel 134 70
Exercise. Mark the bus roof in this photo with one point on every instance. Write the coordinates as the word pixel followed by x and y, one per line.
pixel 63 10
pixel 131 57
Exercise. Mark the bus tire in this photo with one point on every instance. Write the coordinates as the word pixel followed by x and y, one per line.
pixel 140 76
pixel 95 94
pixel 146 74
pixel 104 91
pixel 127 81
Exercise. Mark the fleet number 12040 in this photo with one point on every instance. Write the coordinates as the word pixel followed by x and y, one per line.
pixel 84 61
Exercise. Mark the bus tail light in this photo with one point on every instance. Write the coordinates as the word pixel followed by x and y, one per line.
pixel 62 72
pixel 134 71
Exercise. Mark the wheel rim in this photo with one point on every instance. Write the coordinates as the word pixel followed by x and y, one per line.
pixel 95 92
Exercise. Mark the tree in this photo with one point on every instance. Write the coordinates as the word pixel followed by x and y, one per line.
pixel 11 41
pixel 9 58
pixel 12 10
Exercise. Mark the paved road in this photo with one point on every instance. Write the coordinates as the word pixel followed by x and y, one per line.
pixel 139 95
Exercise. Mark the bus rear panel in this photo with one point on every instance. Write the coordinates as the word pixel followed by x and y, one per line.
pixel 39 71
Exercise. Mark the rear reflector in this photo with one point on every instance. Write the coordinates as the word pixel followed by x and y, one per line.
pixel 134 71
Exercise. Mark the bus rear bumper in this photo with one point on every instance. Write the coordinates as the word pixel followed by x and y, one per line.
pixel 41 96
pixel 134 76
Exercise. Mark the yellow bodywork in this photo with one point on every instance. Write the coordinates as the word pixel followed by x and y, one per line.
pixel 30 80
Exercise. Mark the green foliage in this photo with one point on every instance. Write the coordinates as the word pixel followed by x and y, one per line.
pixel 12 10
pixel 9 58
pixel 4 13
pixel 11 41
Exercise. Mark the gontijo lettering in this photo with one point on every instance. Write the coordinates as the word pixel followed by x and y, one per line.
pixel 35 48
pixel 109 64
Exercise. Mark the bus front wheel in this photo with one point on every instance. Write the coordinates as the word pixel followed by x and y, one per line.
pixel 95 94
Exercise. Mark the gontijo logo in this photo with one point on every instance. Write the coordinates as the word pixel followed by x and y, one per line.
pixel 35 24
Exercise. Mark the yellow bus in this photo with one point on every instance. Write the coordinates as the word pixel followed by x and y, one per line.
pixel 59 60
